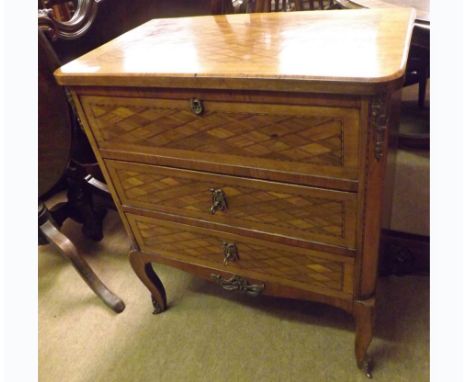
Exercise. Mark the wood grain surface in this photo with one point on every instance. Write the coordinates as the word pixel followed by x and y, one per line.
pixel 313 48
pixel 295 211
pixel 297 267
pixel 314 140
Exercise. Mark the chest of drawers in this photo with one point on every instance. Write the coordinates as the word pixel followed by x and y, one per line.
pixel 251 149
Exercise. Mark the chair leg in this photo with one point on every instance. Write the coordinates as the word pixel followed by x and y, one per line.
pixel 69 251
pixel 422 88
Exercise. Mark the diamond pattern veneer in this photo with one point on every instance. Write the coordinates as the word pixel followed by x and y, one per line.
pixel 254 151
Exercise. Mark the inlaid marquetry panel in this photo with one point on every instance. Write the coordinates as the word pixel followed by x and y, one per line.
pixel 286 138
pixel 292 266
pixel 288 49
pixel 294 211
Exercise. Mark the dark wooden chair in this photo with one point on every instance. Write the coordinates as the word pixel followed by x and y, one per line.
pixel 418 66
pixel 61 147
pixel 233 6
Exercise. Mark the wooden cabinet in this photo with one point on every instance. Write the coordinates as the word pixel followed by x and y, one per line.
pixel 250 151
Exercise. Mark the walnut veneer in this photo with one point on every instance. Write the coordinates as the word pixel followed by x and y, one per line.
pixel 251 149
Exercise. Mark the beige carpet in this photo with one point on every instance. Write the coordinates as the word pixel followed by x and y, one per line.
pixel 211 335
pixel 410 212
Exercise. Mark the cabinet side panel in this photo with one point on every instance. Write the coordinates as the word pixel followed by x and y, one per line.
pixel 89 134
pixel 394 122
pixel 372 191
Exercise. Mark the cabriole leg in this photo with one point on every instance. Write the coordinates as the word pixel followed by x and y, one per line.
pixel 146 274
pixel 363 312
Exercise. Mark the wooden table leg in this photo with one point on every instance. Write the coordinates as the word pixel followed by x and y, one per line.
pixel 69 251
pixel 363 312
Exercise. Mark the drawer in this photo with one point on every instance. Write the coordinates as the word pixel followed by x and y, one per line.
pixel 299 212
pixel 290 139
pixel 291 266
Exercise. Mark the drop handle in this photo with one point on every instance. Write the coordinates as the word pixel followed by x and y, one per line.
pixel 218 200
pixel 231 254
pixel 237 283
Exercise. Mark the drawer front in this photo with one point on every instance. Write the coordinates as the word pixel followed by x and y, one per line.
pixel 293 211
pixel 308 140
pixel 306 269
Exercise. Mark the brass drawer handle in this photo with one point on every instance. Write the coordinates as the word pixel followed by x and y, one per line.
pixel 237 283
pixel 197 106
pixel 218 200
pixel 230 252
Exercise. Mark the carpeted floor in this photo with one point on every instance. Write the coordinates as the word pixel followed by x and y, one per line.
pixel 410 212
pixel 211 335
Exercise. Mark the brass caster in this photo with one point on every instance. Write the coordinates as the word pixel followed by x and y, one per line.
pixel 157 306
pixel 367 366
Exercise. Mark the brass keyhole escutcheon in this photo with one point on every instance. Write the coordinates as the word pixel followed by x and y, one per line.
pixel 197 106
pixel 218 200
pixel 230 253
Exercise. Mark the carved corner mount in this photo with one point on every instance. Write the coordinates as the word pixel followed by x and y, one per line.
pixel 379 122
